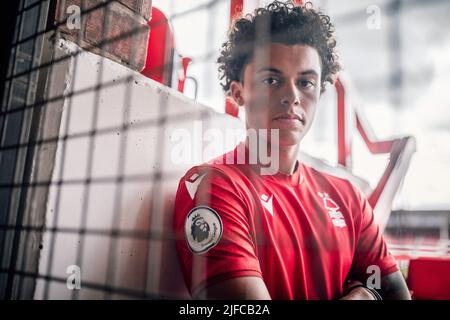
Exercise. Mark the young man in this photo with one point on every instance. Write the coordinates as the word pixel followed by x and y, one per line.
pixel 297 233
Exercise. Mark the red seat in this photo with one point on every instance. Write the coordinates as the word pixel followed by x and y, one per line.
pixel 161 54
pixel 429 278
pixel 160 49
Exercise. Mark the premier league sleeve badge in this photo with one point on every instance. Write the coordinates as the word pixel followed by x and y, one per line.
pixel 203 229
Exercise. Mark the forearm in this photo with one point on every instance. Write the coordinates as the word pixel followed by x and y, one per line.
pixel 393 287
pixel 243 288
pixel 353 290
pixel 358 294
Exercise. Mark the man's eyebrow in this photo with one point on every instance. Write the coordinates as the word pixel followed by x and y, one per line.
pixel 310 71
pixel 274 70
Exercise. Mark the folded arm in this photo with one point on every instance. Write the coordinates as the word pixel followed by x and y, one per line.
pixel 392 287
pixel 242 288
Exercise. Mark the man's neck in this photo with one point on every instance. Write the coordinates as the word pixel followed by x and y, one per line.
pixel 288 159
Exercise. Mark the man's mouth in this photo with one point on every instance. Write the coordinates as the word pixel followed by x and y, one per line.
pixel 290 118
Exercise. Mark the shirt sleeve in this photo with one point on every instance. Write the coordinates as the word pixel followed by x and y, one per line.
pixel 371 250
pixel 213 230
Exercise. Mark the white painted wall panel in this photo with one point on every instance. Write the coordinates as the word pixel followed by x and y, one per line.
pixel 138 103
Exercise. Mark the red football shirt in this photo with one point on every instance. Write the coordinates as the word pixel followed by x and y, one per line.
pixel 303 234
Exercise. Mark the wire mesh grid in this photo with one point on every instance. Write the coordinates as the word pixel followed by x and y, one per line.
pixel 28 233
pixel 38 160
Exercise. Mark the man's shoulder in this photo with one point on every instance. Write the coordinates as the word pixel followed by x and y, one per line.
pixel 212 171
pixel 223 166
pixel 321 174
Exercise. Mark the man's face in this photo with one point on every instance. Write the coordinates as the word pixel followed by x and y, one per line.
pixel 280 90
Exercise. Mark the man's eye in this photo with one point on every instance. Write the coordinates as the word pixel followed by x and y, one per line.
pixel 270 81
pixel 307 83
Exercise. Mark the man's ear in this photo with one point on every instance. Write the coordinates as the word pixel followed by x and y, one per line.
pixel 237 92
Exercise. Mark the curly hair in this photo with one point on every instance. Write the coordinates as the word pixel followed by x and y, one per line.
pixel 283 23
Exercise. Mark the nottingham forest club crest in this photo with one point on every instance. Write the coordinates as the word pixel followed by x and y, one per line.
pixel 203 229
pixel 334 212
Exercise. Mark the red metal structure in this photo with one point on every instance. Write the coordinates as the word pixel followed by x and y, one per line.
pixel 400 151
pixel 236 9
pixel 183 73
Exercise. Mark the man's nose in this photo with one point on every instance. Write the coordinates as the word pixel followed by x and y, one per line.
pixel 291 95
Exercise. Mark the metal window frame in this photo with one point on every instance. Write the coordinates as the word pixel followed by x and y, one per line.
pixel 17 251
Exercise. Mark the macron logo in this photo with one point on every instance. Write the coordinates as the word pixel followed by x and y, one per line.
pixel 267 203
pixel 193 183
